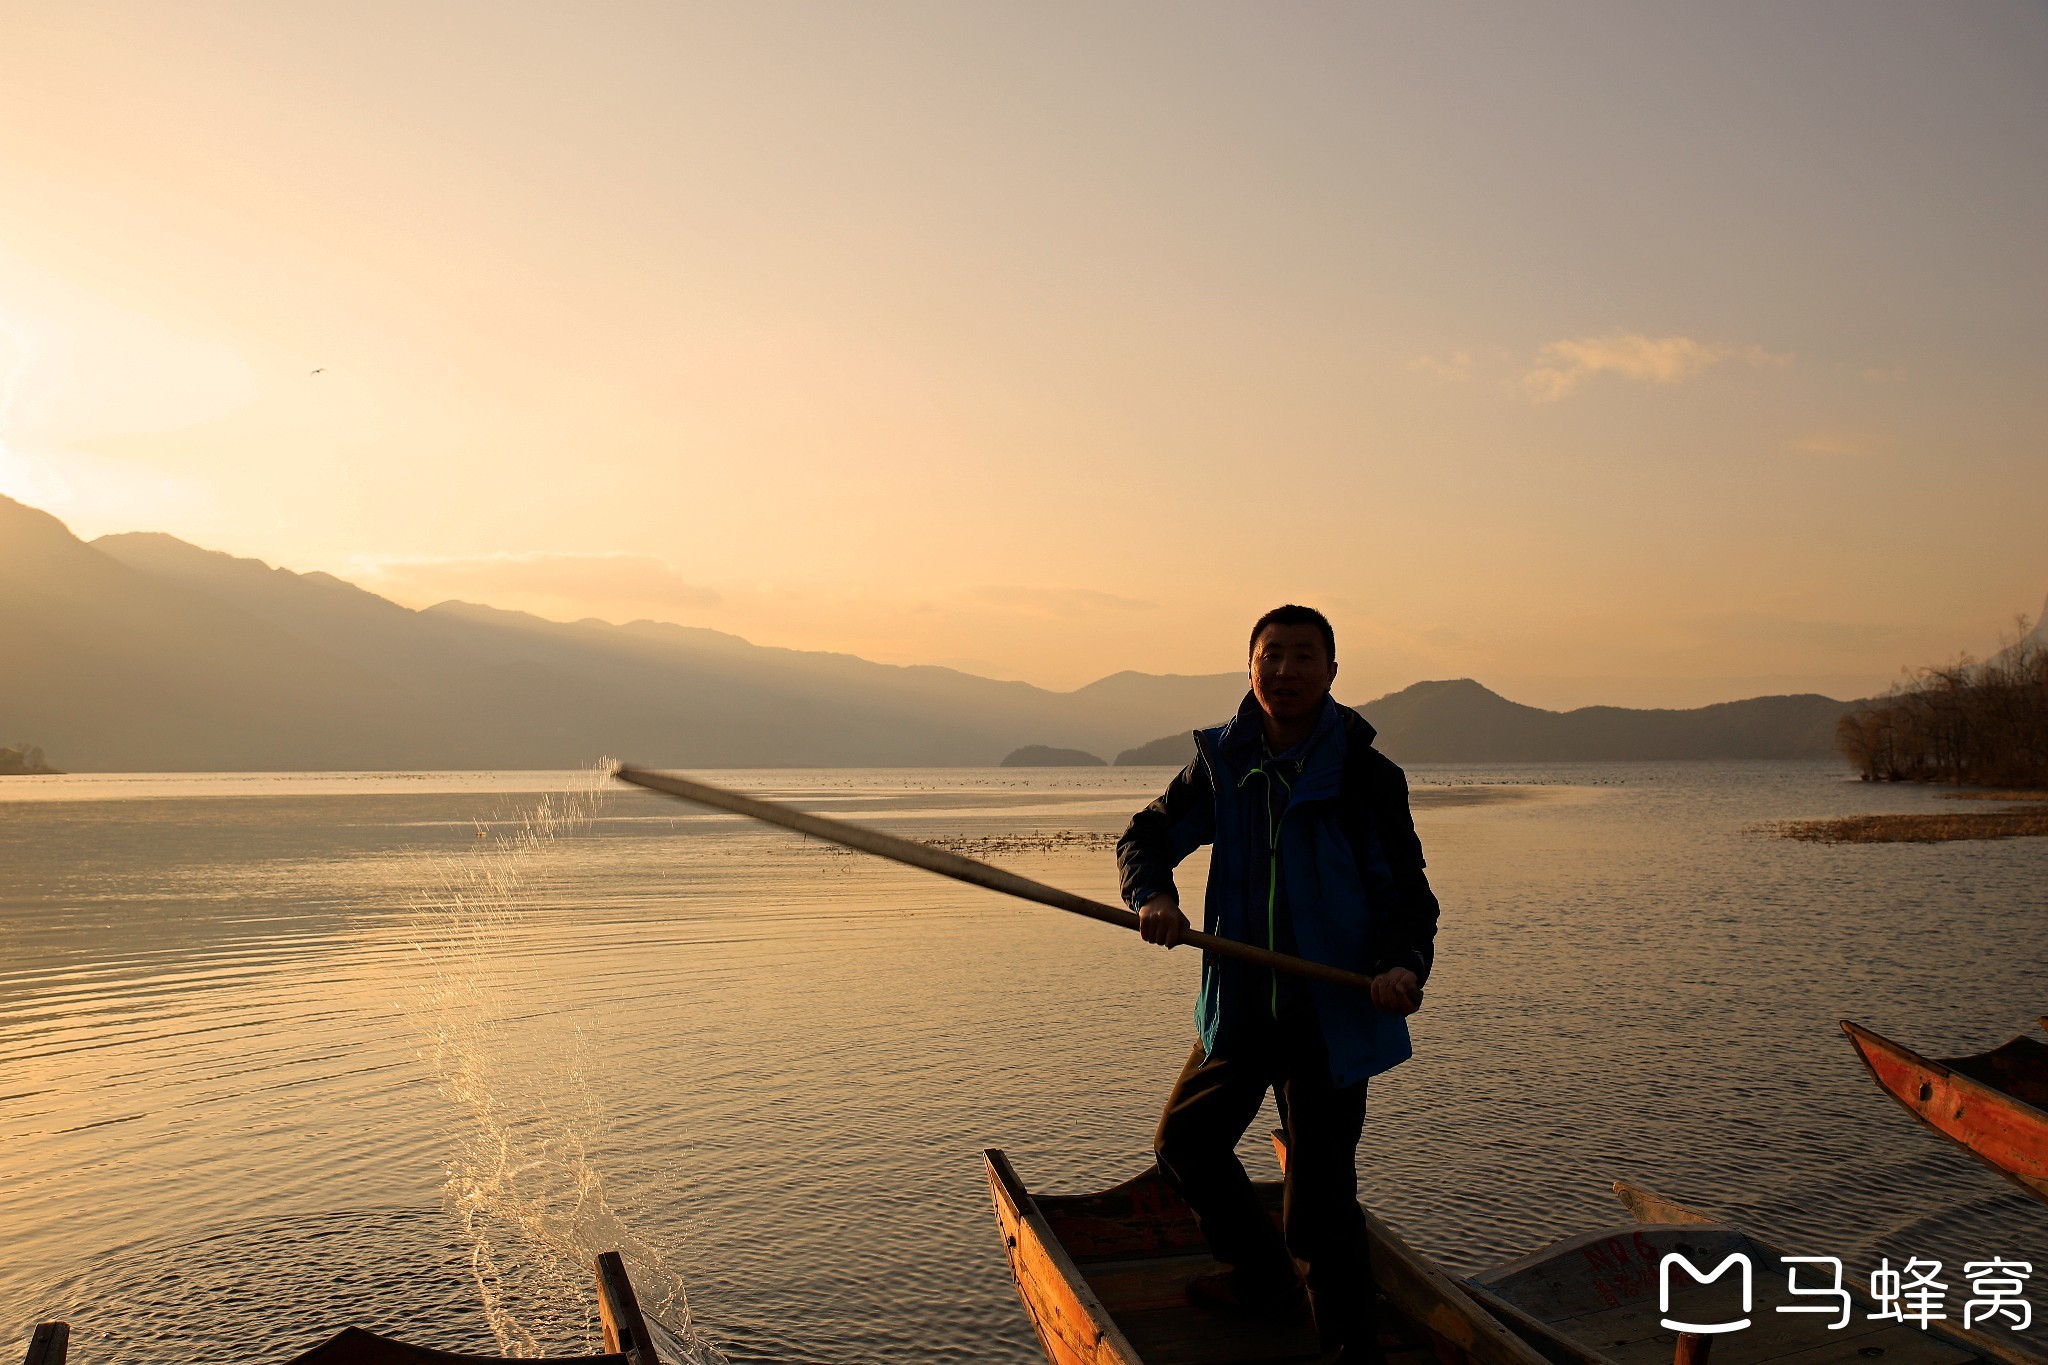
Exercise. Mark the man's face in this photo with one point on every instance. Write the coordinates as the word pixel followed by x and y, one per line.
pixel 1291 671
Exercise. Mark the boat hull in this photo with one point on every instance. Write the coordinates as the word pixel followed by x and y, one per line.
pixel 1073 1326
pixel 1980 1103
pixel 1103 1279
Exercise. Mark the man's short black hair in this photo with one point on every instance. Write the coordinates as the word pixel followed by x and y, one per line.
pixel 1292 615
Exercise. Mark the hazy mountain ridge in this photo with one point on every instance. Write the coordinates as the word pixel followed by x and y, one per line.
pixel 1043 756
pixel 1459 721
pixel 104 660
pixel 140 651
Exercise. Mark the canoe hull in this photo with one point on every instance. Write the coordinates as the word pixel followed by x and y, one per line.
pixel 1984 1113
pixel 1072 1325
pixel 1103 1280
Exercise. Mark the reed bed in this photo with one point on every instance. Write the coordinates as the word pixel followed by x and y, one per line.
pixel 1936 827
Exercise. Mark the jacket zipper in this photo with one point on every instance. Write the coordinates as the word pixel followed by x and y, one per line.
pixel 1272 872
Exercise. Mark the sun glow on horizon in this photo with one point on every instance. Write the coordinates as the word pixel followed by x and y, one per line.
pixel 950 339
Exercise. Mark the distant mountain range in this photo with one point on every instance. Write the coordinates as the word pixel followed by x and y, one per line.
pixel 1462 722
pixel 141 652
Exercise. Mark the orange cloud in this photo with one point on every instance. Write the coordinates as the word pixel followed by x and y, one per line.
pixel 1563 367
pixel 1457 369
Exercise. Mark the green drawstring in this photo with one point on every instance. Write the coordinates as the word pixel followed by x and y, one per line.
pixel 1273 824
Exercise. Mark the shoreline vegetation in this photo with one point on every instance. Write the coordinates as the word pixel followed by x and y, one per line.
pixel 25 760
pixel 1967 724
pixel 2025 817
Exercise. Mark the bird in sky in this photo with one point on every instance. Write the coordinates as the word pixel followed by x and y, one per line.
pixel 321 370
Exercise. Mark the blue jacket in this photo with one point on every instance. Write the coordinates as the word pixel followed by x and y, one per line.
pixel 1352 867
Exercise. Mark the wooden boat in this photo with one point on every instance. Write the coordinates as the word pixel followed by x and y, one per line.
pixel 1593 1300
pixel 1994 1105
pixel 1104 1277
pixel 625 1337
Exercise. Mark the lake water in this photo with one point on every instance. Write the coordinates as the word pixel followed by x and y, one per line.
pixel 281 1053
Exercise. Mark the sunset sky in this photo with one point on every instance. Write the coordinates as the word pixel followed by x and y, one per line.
pixel 1606 353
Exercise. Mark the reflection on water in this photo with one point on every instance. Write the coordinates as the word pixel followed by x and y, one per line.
pixel 283 1053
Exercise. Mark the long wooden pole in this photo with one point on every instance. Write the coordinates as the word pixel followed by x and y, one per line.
pixel 849 835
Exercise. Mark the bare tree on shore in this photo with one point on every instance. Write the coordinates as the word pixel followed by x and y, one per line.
pixel 1981 723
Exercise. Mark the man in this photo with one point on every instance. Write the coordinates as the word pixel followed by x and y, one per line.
pixel 1314 854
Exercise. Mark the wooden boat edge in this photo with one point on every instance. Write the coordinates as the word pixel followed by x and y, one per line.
pixel 1538 1335
pixel 359 1344
pixel 1038 1261
pixel 618 1312
pixel 1868 1042
pixel 1647 1206
pixel 625 1337
pixel 1579 1241
pixel 1420 1289
pixel 49 1343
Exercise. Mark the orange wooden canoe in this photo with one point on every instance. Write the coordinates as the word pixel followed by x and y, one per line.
pixel 1994 1105
pixel 1104 1276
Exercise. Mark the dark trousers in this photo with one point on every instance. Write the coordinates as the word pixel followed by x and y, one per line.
pixel 1213 1102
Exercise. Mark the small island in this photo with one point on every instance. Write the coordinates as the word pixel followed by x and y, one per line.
pixel 1045 756
pixel 1173 751
pixel 24 760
